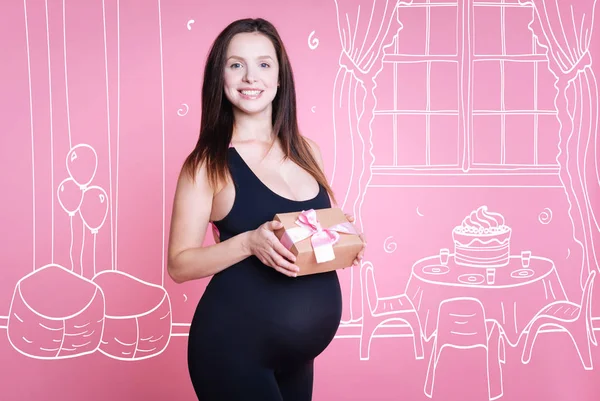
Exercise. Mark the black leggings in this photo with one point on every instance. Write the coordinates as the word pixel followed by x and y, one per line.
pixel 233 360
pixel 240 368
pixel 250 383
pixel 259 341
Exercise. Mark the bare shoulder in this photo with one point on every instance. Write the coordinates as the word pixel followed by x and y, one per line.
pixel 316 151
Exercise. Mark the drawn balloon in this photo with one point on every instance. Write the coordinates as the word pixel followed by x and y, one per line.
pixel 82 163
pixel 94 208
pixel 69 196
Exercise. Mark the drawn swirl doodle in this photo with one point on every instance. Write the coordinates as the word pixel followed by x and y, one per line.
pixel 313 43
pixel 183 113
pixel 545 216
pixel 389 247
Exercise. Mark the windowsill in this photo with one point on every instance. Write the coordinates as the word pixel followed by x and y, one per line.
pixel 484 177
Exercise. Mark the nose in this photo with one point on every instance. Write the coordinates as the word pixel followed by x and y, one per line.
pixel 249 75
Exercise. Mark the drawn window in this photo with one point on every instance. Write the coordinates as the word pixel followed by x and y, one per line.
pixel 471 90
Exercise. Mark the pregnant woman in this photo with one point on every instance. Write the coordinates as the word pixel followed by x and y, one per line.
pixel 258 327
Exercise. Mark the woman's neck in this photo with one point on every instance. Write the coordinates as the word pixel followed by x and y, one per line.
pixel 253 128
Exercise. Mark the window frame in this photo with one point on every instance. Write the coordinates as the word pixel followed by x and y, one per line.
pixel 466 172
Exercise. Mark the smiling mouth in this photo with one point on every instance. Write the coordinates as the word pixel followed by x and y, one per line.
pixel 250 93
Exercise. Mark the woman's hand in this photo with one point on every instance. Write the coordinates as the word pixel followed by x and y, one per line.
pixel 361 254
pixel 264 244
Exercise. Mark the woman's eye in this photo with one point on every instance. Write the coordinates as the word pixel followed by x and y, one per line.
pixel 265 65
pixel 235 65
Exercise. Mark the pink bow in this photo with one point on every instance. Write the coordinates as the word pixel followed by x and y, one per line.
pixel 322 239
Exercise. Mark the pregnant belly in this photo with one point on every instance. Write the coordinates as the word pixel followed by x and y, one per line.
pixel 306 307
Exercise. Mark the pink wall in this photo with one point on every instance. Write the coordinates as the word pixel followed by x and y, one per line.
pixel 426 115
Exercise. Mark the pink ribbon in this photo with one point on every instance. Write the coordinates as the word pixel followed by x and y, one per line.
pixel 322 239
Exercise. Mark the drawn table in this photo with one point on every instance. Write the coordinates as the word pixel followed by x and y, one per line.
pixel 512 298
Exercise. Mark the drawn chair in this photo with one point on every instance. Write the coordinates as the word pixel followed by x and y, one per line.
pixel 461 324
pixel 567 316
pixel 379 311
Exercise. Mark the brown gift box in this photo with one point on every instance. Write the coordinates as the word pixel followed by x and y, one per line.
pixel 345 250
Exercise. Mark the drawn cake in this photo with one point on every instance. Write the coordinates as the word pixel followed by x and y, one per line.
pixel 482 240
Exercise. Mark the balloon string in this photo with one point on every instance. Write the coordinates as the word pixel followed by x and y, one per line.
pixel 94 254
pixel 71 247
pixel 82 248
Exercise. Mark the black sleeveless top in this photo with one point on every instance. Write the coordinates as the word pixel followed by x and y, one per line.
pixel 263 302
pixel 255 203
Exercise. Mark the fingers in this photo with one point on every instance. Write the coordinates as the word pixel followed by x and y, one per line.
pixel 279 264
pixel 283 251
pixel 274 254
pixel 361 253
pixel 282 265
pixel 274 225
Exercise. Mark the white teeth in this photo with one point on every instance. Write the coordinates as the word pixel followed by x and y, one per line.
pixel 250 93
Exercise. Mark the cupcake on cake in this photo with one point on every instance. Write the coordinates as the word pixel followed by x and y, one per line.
pixel 482 240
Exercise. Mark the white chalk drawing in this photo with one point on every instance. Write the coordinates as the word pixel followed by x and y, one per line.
pixel 135 327
pixel 570 61
pixel 569 317
pixel 189 24
pixel 545 216
pixel 381 311
pixel 363 37
pixel 313 42
pixel 389 246
pixel 512 294
pixel 482 239
pixel 183 110
pixel 462 324
pixel 59 312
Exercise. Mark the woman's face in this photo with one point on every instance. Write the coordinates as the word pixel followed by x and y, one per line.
pixel 251 73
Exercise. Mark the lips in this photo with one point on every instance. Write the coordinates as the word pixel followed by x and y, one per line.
pixel 250 93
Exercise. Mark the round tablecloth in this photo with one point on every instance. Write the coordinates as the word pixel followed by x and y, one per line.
pixel 511 294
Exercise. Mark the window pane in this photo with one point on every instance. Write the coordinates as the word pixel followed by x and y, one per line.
pixel 411 140
pixel 384 91
pixel 486 32
pixel 519 138
pixel 443 143
pixel 548 127
pixel 412 86
pixel 519 39
pixel 486 85
pixel 486 139
pixel 383 139
pixel 518 85
pixel 444 85
pixel 412 39
pixel 546 92
pixel 443 33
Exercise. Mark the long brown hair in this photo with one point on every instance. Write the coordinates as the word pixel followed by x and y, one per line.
pixel 216 127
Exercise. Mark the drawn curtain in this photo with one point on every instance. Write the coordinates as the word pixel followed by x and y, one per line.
pixel 565 28
pixel 365 28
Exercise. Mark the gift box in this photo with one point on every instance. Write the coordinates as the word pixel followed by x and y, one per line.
pixel 322 240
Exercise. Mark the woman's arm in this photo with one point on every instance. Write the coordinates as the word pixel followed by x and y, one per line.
pixel 189 260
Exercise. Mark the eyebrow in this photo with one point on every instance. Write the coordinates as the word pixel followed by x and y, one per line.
pixel 241 58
